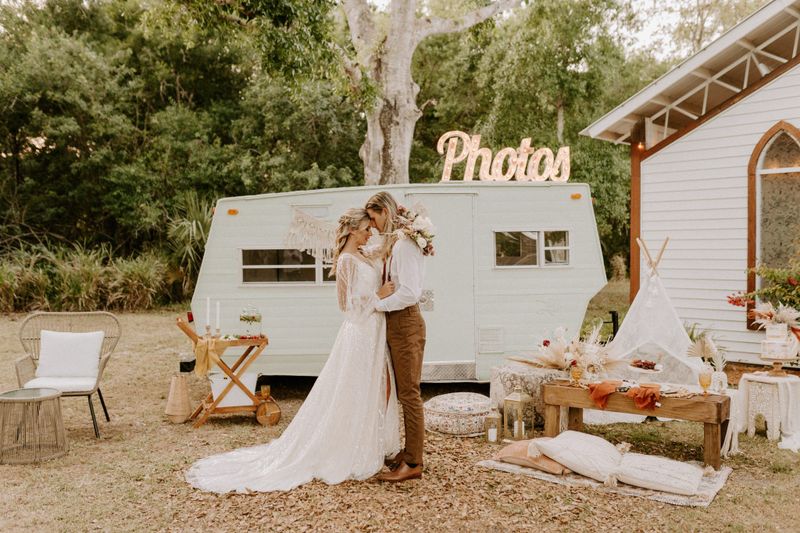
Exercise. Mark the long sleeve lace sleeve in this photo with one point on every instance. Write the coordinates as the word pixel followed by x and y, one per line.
pixel 356 296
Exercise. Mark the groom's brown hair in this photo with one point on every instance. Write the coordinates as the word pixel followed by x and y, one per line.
pixel 379 202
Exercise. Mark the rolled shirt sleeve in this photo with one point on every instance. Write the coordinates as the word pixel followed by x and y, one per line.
pixel 407 274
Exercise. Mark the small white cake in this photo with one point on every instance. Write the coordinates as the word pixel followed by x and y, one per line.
pixel 777 345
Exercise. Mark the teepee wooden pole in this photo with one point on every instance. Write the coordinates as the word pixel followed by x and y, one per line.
pixel 661 252
pixel 647 256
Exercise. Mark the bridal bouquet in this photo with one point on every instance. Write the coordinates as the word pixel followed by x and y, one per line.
pixel 416 227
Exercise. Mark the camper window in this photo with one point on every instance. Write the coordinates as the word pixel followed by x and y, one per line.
pixel 521 248
pixel 556 247
pixel 279 266
pixel 516 248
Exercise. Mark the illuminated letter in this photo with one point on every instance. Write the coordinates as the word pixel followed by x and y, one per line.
pixel 476 151
pixel 497 164
pixel 451 158
pixel 535 163
pixel 522 158
pixel 562 163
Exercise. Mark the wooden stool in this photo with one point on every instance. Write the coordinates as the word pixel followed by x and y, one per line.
pixel 31 428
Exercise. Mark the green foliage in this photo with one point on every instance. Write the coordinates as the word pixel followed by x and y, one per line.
pixel 188 232
pixel 779 285
pixel 123 120
pixel 137 283
pixel 79 278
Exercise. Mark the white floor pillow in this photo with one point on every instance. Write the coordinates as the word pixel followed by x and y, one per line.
pixel 659 473
pixel 65 354
pixel 584 454
pixel 458 413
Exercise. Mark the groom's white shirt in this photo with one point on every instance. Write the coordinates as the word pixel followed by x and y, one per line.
pixel 407 270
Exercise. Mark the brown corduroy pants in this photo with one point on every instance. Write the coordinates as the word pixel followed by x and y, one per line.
pixel 405 333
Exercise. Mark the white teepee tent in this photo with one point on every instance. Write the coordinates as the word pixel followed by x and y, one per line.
pixel 652 330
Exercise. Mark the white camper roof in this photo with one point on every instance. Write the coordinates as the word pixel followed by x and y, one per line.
pixel 739 58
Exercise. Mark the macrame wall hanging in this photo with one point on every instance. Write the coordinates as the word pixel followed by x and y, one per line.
pixel 310 234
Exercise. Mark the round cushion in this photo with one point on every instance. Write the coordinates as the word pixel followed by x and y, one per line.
pixel 458 413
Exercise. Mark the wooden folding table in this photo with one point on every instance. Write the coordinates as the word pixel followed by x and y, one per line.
pixel 261 403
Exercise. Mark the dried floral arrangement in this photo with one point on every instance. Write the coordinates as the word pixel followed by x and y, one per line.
pixel 765 314
pixel 705 347
pixel 589 353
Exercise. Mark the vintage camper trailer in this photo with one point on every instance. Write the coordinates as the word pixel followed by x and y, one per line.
pixel 715 155
pixel 513 261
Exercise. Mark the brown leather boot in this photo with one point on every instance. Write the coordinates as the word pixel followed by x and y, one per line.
pixel 401 473
pixel 393 462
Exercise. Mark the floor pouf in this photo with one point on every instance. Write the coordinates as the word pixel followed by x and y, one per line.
pixel 458 413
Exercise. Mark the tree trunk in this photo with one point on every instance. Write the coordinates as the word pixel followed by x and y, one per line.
pixel 387 60
pixel 560 122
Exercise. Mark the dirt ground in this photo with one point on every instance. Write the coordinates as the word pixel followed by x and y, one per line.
pixel 132 478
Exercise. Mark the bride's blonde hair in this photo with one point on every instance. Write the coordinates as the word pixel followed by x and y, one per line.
pixel 384 201
pixel 348 222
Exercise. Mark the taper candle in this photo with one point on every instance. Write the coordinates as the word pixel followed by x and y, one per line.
pixel 208 312
pixel 217 316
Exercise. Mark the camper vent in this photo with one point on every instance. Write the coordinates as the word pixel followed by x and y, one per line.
pixel 491 340
pixel 455 371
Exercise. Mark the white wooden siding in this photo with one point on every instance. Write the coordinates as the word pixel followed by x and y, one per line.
pixel 695 192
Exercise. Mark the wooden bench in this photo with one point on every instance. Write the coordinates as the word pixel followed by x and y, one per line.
pixel 712 410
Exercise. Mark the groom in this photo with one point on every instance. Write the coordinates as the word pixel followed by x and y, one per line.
pixel 405 332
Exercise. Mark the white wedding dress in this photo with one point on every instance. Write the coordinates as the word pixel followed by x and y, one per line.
pixel 345 427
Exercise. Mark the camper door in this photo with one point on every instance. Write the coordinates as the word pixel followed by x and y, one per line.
pixel 448 303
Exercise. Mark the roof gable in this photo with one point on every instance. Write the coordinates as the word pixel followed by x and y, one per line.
pixel 748 53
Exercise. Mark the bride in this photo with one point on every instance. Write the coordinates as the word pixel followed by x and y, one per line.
pixel 346 426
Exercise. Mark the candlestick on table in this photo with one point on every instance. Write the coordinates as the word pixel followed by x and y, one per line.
pixel 217 326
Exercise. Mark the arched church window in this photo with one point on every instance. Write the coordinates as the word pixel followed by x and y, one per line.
pixel 778 206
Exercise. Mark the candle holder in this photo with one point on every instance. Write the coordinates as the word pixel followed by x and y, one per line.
pixel 515 407
pixel 493 427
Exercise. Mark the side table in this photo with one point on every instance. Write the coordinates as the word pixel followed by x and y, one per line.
pixel 769 396
pixel 31 427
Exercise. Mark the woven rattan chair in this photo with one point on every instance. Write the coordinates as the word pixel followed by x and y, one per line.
pixel 30 336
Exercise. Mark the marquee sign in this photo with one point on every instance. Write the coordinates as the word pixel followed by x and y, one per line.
pixel 523 163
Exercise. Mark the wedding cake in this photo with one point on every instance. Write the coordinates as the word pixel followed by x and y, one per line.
pixel 777 345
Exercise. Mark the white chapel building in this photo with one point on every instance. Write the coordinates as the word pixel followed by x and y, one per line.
pixel 715 166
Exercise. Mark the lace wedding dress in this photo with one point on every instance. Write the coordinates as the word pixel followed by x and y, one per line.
pixel 345 427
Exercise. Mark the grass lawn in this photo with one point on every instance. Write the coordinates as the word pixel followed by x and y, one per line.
pixel 132 478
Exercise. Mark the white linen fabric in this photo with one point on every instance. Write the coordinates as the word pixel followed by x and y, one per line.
pixel 789 406
pixel 659 473
pixel 584 454
pixel 67 354
pixel 69 384
pixel 345 427
pixel 653 330
pixel 407 271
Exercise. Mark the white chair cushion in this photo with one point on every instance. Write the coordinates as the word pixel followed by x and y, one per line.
pixel 70 384
pixel 659 473
pixel 584 454
pixel 65 354
pixel 457 413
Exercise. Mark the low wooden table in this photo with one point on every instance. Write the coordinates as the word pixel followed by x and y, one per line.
pixel 712 410
pixel 260 402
